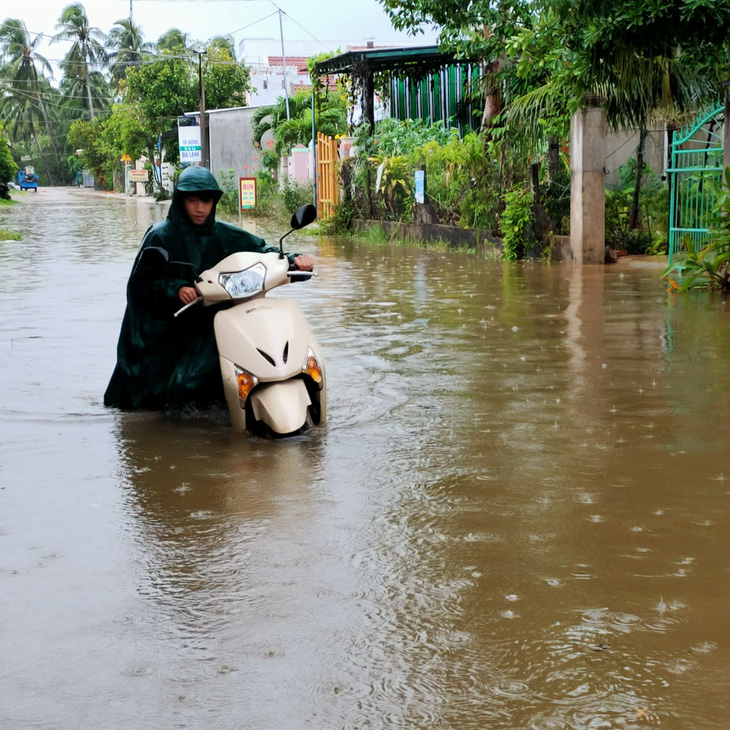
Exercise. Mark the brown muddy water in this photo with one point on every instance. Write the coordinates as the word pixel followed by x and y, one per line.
pixel 515 518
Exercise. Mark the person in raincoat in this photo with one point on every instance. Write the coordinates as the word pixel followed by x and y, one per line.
pixel 163 361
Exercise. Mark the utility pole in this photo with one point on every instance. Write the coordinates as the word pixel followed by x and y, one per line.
pixel 201 92
pixel 283 64
pixel 130 12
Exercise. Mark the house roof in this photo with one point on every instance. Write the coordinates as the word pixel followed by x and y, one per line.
pixel 419 59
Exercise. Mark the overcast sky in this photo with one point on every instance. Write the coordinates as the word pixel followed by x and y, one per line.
pixel 331 23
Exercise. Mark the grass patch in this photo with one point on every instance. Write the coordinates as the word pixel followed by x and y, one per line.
pixel 8 235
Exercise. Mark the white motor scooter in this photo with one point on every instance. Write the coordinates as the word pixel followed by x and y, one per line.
pixel 272 367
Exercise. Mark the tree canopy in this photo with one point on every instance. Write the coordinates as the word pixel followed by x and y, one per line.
pixel 117 93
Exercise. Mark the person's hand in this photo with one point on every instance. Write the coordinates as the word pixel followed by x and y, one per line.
pixel 187 294
pixel 304 263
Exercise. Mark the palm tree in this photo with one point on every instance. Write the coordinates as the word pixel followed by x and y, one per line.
pixel 126 47
pixel 174 40
pixel 223 43
pixel 86 54
pixel 22 118
pixel 24 99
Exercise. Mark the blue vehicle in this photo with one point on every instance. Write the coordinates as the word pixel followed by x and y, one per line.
pixel 28 180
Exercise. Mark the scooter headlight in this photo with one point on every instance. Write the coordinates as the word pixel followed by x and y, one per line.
pixel 312 367
pixel 241 284
pixel 246 383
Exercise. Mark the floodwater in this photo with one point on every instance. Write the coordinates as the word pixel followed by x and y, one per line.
pixel 516 517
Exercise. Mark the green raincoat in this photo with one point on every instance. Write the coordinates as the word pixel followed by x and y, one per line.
pixel 163 361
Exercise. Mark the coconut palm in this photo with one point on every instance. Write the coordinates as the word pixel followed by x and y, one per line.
pixel 126 47
pixel 23 72
pixel 86 54
pixel 174 40
pixel 223 43
pixel 23 120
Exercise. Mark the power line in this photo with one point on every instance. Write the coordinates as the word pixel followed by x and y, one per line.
pixel 322 43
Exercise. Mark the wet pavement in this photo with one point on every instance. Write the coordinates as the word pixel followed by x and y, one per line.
pixel 515 517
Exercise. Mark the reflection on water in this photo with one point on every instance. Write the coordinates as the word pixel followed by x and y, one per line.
pixel 514 518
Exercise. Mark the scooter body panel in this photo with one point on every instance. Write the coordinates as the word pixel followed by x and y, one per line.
pixel 269 338
pixel 282 406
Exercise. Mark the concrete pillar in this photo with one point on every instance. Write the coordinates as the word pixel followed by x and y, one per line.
pixel 587 185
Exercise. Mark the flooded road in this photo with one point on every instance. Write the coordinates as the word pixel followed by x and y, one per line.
pixel 516 516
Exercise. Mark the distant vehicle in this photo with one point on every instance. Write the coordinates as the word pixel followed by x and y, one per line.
pixel 27 179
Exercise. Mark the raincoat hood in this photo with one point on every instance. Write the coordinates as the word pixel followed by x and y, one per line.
pixel 198 180
pixel 194 180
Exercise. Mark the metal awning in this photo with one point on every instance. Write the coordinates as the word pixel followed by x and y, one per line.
pixel 419 59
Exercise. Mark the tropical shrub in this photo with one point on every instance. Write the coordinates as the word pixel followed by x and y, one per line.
pixel 651 234
pixel 8 168
pixel 517 219
pixel 461 181
pixel 295 195
pixel 229 185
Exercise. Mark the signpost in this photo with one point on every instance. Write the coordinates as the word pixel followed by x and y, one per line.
pixel 139 176
pixel 420 185
pixel 247 192
pixel 246 196
pixel 189 143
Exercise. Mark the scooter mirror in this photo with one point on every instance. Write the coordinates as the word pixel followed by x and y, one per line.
pixel 303 217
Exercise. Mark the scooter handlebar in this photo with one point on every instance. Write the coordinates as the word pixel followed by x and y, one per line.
pixel 303 274
pixel 187 306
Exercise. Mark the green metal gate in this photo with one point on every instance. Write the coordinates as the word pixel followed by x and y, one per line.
pixel 695 167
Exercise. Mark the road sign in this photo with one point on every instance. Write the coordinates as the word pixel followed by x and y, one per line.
pixel 189 143
pixel 247 192
pixel 139 176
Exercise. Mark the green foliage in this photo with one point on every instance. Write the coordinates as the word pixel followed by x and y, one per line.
pixel 268 201
pixel 8 168
pixel 331 120
pixel 394 186
pixel 226 81
pixel 517 219
pixel 83 85
pixel 86 136
pixel 126 49
pixel 295 195
pixel 556 201
pixel 162 91
pixel 6 234
pixel 229 185
pixel 462 181
pixel 462 177
pixel 124 133
pixel 707 266
pixel 651 234
pixel 393 137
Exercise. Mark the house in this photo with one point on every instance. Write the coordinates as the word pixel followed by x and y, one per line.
pixel 230 150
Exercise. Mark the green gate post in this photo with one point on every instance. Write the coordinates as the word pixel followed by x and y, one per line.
pixel 696 164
